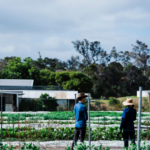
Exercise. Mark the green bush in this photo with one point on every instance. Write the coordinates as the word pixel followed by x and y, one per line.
pixel 113 101
pixel 47 103
pixel 44 103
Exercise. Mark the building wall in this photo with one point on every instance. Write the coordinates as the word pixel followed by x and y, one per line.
pixel 57 94
pixel 61 96
pixel 62 104
pixel 145 93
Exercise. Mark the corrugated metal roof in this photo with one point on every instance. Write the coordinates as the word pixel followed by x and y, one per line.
pixel 16 82
pixel 12 92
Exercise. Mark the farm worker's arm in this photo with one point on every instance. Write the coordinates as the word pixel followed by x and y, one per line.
pixel 123 120
pixel 75 112
pixel 135 116
pixel 85 113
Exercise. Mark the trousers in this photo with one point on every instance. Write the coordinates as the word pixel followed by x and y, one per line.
pixel 126 134
pixel 81 132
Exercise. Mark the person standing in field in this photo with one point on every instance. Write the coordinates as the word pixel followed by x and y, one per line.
pixel 127 123
pixel 81 118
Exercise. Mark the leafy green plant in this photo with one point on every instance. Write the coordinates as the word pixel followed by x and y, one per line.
pixel 47 103
pixel 83 146
pixel 6 147
pixel 61 115
pixel 134 147
pixel 30 146
pixel 24 147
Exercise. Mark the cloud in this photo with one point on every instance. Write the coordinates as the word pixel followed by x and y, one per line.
pixel 7 49
pixel 54 42
pixel 49 26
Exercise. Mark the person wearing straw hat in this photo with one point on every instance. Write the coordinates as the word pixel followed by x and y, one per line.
pixel 127 122
pixel 81 117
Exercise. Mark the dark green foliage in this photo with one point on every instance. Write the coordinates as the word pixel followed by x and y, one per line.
pixel 113 101
pixel 83 146
pixel 47 103
pixel 30 146
pixel 24 147
pixel 64 115
pixel 74 80
pixel 98 72
pixel 16 69
pixel 67 133
pixel 28 105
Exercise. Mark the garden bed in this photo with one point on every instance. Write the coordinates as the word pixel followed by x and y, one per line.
pixel 63 133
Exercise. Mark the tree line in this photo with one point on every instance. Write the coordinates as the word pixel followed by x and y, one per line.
pixel 95 70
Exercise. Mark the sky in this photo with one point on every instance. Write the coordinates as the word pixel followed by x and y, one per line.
pixel 49 26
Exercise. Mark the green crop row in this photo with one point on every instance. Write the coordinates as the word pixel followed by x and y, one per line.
pixel 64 115
pixel 50 134
pixel 132 146
pixel 24 147
pixel 81 146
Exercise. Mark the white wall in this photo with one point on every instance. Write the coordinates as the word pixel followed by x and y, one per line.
pixel 144 93
pixel 57 94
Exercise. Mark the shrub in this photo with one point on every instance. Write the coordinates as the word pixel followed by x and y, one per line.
pixel 48 103
pixel 113 101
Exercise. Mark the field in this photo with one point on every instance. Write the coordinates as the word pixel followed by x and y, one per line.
pixel 104 103
pixel 59 126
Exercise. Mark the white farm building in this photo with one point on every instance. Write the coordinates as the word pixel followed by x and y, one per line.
pixel 14 91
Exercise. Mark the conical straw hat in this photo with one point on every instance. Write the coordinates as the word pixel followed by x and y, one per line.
pixel 129 101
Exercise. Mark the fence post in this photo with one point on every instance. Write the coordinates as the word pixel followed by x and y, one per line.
pixel 75 99
pixel 68 104
pixel 149 102
pixel 139 120
pixel 13 126
pixel 89 120
pixel 1 114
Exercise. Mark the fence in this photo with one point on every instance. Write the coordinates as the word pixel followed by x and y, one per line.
pixel 52 126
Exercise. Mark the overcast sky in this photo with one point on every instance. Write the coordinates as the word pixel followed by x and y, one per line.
pixel 49 26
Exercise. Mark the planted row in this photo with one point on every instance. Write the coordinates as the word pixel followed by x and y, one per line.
pixel 51 134
pixel 24 147
pixel 61 115
pixel 132 146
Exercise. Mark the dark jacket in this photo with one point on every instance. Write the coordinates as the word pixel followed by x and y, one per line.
pixel 128 118
pixel 80 115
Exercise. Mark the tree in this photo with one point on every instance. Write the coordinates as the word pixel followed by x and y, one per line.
pixel 39 64
pixel 4 62
pixel 73 63
pixel 74 81
pixel 135 78
pixel 106 79
pixel 47 103
pixel 126 58
pixel 16 69
pixel 123 57
pixel 61 77
pixel 91 52
pixel 45 77
pixel 141 54
pixel 49 63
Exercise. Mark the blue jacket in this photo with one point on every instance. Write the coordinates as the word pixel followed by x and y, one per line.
pixel 80 115
pixel 128 118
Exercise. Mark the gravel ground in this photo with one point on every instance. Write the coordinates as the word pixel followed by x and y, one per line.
pixel 58 145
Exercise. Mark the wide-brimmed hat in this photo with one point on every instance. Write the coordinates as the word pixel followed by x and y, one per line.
pixel 81 95
pixel 129 101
